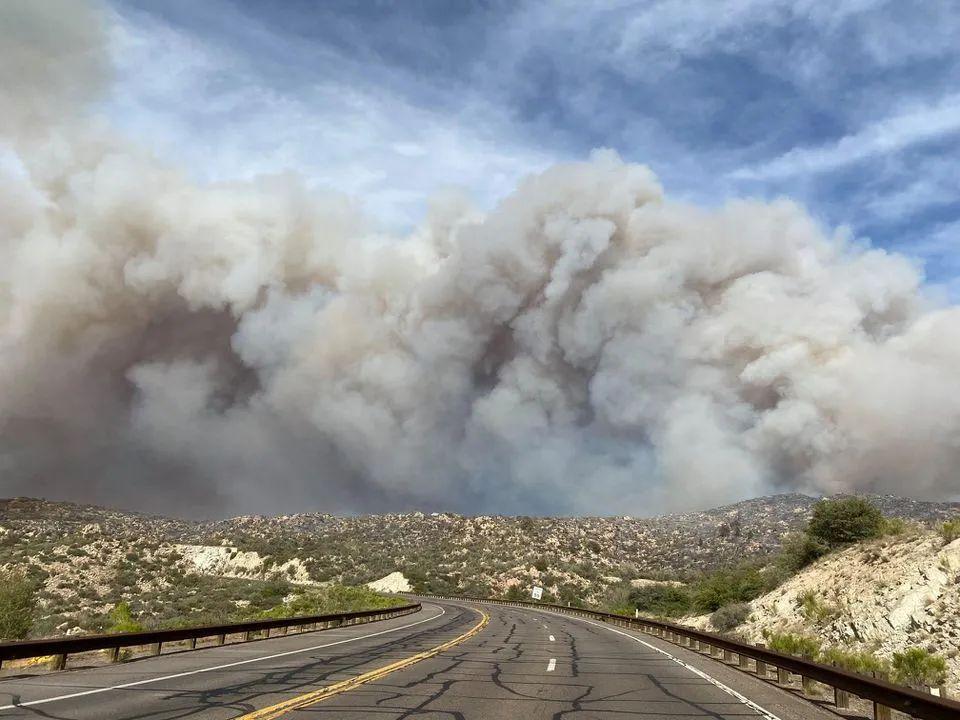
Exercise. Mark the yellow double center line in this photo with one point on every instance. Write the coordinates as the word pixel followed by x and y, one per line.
pixel 301 701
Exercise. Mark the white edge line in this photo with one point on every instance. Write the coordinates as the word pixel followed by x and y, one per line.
pixel 96 691
pixel 713 681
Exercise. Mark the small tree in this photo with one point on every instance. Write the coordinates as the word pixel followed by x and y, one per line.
pixel 843 521
pixel 18 604
pixel 122 619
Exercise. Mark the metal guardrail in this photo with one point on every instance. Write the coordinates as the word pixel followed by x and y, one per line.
pixel 884 695
pixel 59 648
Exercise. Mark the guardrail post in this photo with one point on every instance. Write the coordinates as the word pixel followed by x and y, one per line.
pixel 156 648
pixel 783 676
pixel 115 654
pixel 248 636
pixel 841 698
pixel 727 655
pixel 59 662
pixel 880 712
pixel 221 639
pixel 193 643
pixel 807 684
pixel 744 661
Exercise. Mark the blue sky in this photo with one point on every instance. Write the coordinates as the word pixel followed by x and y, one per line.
pixel 852 107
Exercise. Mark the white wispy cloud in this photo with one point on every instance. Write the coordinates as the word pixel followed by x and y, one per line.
pixel 889 135
pixel 204 106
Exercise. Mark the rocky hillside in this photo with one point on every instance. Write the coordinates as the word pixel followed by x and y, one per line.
pixel 880 597
pixel 87 558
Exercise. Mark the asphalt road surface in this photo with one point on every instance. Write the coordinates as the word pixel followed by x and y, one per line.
pixel 521 663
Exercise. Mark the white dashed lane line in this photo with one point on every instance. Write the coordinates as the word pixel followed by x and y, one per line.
pixel 551 665
pixel 552 639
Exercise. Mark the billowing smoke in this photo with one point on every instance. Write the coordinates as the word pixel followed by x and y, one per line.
pixel 587 346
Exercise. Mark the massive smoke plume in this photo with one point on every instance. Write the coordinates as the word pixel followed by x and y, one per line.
pixel 587 346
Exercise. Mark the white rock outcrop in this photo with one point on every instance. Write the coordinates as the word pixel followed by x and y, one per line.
pixel 395 582
pixel 227 561
pixel 882 596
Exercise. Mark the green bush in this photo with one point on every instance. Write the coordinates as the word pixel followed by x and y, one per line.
pixel 332 599
pixel 950 530
pixel 799 550
pixel 918 668
pixel 729 616
pixel 861 662
pixel 846 520
pixel 792 644
pixel 18 604
pixel 121 619
pixel 737 584
pixel 661 600
pixel 895 526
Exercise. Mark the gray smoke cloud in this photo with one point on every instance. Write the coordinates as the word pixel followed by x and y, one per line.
pixel 587 346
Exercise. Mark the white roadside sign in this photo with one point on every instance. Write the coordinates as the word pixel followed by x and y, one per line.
pixel 537 593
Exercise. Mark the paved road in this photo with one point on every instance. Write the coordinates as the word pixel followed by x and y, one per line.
pixel 522 664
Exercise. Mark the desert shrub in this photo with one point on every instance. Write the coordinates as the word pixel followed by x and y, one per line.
pixel 18 604
pixel 616 599
pixel 793 644
pixel 950 530
pixel 861 662
pixel 799 550
pixel 516 593
pixel 569 594
pixel 663 600
pixel 895 526
pixel 729 616
pixel 121 618
pixel 814 610
pixel 846 520
pixel 919 668
pixel 737 584
pixel 332 599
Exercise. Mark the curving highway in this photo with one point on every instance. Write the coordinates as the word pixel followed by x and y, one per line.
pixel 451 660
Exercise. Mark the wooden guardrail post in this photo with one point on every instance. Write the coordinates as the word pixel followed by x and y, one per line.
pixel 59 662
pixel 761 665
pixel 880 712
pixel 248 636
pixel 807 684
pixel 221 639
pixel 156 648
pixel 783 676
pixel 841 698
pixel 743 661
